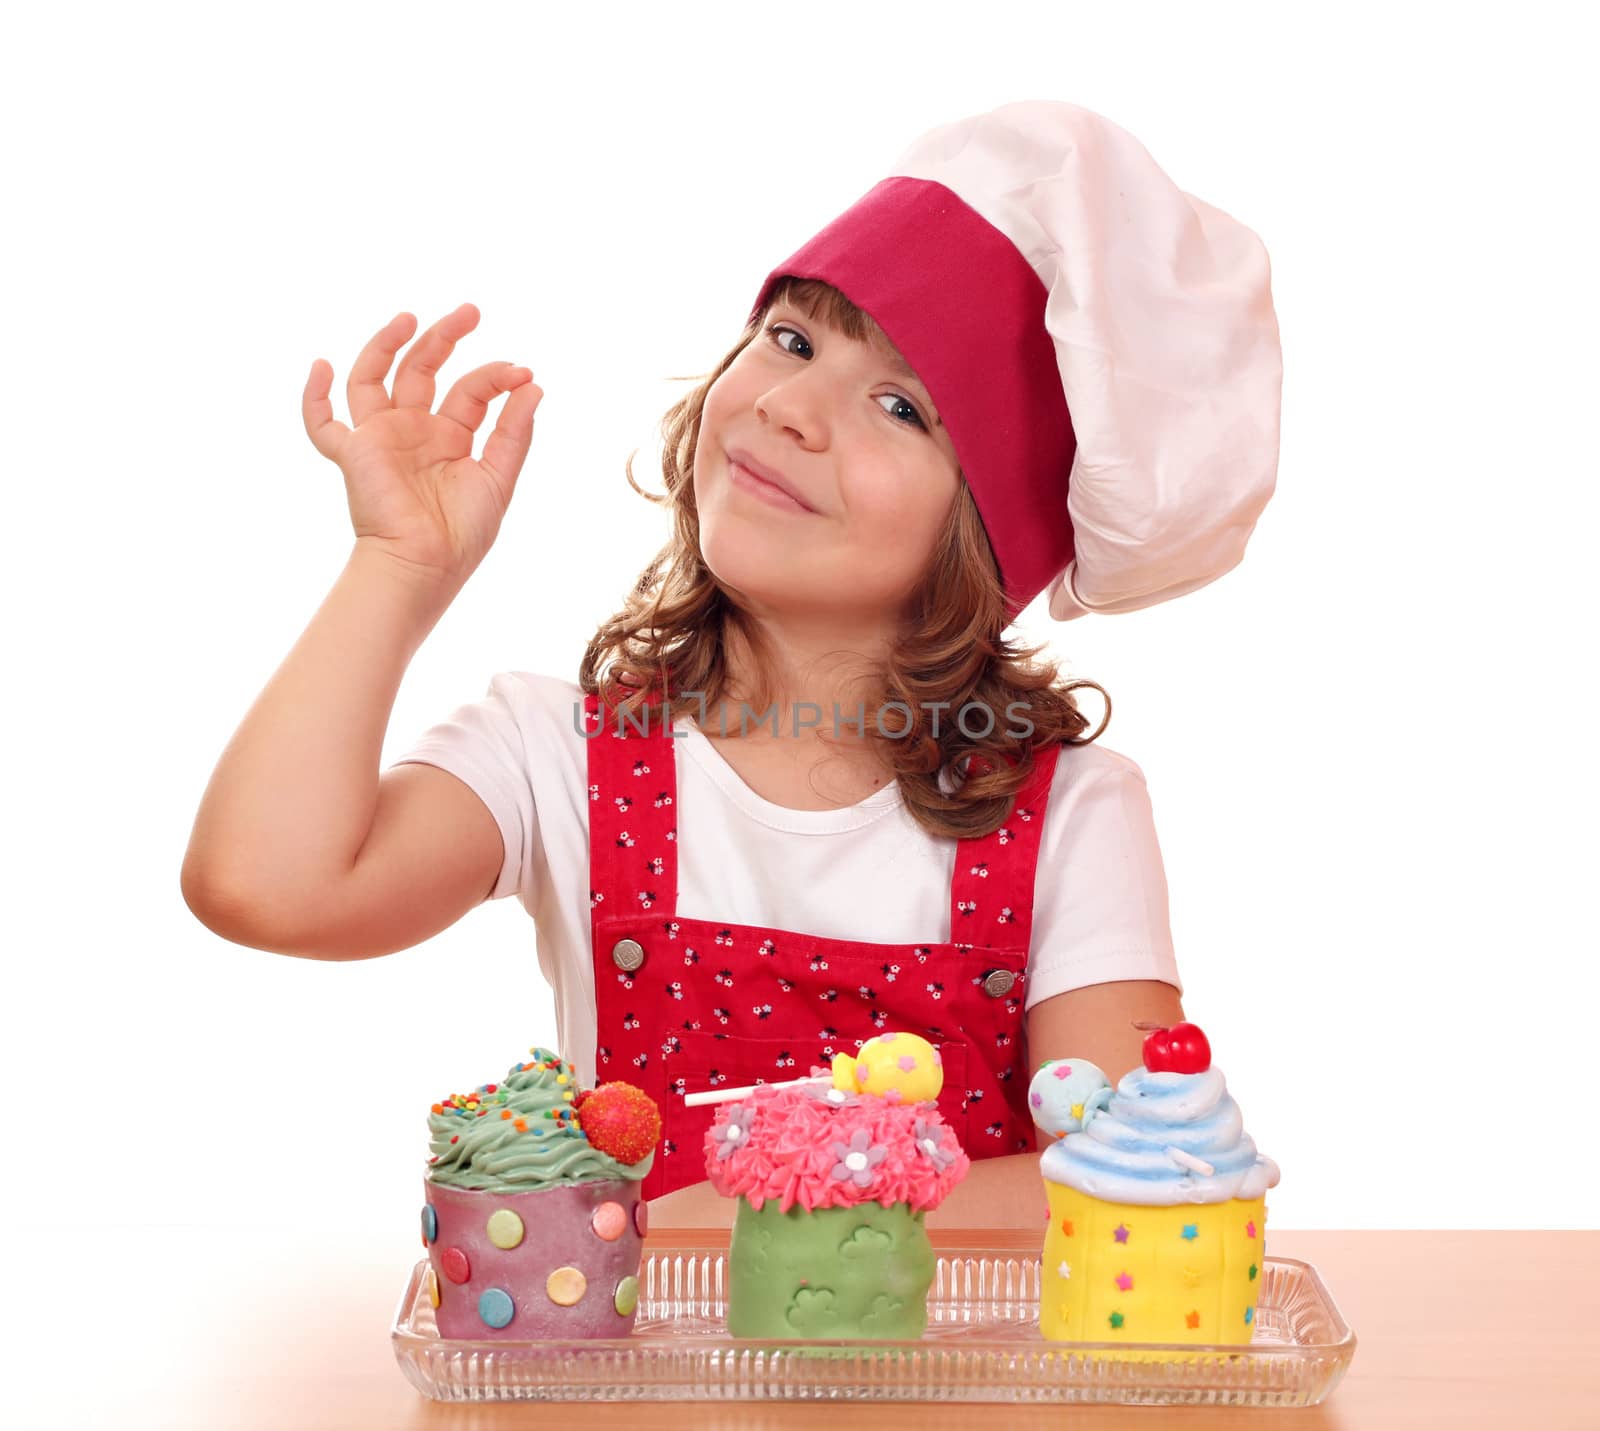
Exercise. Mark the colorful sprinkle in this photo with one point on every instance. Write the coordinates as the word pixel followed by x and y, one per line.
pixel 1124 1281
pixel 1253 1270
pixel 1066 1226
pixel 1116 1321
pixel 1190 1232
pixel 495 1307
pixel 1063 1271
pixel 1193 1319
pixel 1121 1234
pixel 1249 1229
pixel 1249 1315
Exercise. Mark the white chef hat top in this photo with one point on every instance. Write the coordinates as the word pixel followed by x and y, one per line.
pixel 1101 346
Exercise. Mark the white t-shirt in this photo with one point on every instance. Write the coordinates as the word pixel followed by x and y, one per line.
pixel 865 872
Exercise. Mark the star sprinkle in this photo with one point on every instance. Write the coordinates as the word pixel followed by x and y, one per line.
pixel 1250 1229
pixel 1116 1321
pixel 1249 1315
pixel 1124 1281
pixel 1190 1232
pixel 1193 1319
pixel 1121 1234
pixel 1063 1271
pixel 1253 1270
pixel 1066 1226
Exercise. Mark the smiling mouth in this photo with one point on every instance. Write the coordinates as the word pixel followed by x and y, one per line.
pixel 747 480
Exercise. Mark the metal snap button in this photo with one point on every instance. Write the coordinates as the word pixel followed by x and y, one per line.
pixel 628 955
pixel 998 982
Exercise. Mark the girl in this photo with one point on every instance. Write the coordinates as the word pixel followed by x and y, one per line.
pixel 1024 361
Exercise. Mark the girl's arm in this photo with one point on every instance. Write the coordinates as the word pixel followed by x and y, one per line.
pixel 1100 1023
pixel 298 846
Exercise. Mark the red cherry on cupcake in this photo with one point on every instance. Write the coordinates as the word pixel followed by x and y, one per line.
pixel 619 1119
pixel 1183 1048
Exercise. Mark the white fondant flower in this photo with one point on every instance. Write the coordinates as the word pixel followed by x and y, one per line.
pixel 930 1145
pixel 833 1097
pixel 731 1135
pixel 858 1160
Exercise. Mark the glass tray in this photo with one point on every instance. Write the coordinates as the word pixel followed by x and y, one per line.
pixel 982 1344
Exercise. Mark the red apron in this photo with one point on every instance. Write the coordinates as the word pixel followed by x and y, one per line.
pixel 688 1004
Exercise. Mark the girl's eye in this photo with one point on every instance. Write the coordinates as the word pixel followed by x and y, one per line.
pixel 775 330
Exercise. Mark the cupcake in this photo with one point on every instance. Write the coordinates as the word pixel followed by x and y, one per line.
pixel 532 1216
pixel 1157 1197
pixel 833 1176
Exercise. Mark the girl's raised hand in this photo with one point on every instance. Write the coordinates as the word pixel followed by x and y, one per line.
pixel 415 491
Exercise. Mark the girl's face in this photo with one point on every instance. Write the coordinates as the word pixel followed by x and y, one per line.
pixel 857 437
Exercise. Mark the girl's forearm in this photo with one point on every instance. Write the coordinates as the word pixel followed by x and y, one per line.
pixel 293 796
pixel 996 1192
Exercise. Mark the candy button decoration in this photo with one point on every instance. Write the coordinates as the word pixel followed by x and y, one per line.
pixel 566 1286
pixel 430 1224
pixel 453 1263
pixel 1067 1094
pixel 626 1297
pixel 504 1228
pixel 641 1218
pixel 609 1221
pixel 433 1288
pixel 496 1308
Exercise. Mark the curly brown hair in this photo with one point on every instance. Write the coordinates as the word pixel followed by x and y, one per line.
pixel 950 645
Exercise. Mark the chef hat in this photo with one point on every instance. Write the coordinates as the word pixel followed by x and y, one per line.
pixel 1101 347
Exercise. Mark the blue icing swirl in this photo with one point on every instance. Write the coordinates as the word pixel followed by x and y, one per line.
pixel 1122 1153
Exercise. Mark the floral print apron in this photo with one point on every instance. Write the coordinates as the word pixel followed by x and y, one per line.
pixel 688 1004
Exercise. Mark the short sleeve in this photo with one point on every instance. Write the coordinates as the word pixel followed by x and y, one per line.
pixel 483 744
pixel 1100 891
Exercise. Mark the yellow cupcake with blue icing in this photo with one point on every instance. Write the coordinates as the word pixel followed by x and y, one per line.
pixel 1157 1201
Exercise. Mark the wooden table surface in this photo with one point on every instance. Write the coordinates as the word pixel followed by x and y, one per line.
pixel 1454 1329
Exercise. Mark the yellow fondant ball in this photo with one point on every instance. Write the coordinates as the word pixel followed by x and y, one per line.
pixel 892 1063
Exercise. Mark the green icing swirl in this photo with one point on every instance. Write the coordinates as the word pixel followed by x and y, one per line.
pixel 492 1154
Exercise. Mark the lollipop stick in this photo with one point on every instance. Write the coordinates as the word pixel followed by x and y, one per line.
pixel 728 1095
pixel 1188 1160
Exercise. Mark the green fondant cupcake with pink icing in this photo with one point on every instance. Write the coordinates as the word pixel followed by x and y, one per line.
pixel 833 1179
pixel 532 1216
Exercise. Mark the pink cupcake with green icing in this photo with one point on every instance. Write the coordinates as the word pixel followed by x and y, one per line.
pixel 532 1215
pixel 833 1183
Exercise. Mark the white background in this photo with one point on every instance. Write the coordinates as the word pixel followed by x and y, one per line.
pixel 1368 747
